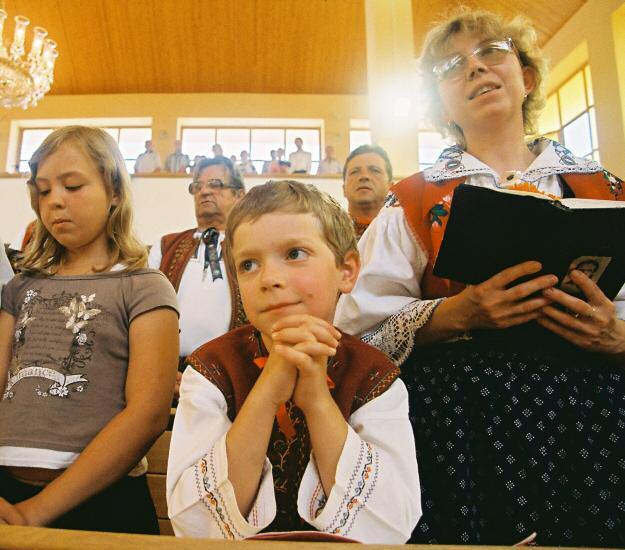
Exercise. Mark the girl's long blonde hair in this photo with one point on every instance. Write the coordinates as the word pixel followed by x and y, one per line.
pixel 43 253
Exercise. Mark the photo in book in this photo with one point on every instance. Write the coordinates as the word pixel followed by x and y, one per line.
pixel 490 230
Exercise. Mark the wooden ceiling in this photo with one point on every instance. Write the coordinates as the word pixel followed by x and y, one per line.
pixel 247 46
pixel 546 16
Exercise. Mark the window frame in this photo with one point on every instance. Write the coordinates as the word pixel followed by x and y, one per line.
pixel 589 110
pixel 117 127
pixel 283 128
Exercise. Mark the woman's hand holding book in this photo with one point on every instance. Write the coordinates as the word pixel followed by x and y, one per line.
pixel 590 324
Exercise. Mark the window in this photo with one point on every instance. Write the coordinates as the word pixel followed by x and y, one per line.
pixel 430 143
pixel 264 140
pixel 197 141
pixel 358 138
pixel 430 146
pixel 258 142
pixel 569 116
pixel 359 133
pixel 31 139
pixel 131 142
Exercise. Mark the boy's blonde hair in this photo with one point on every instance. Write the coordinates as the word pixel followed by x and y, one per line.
pixel 44 254
pixel 465 21
pixel 294 198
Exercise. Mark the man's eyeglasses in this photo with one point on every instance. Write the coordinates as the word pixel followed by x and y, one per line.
pixel 490 53
pixel 196 186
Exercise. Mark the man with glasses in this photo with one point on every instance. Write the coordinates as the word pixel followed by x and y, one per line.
pixel 193 260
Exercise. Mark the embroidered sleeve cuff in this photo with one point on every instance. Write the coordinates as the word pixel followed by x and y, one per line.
pixel 356 478
pixel 216 494
pixel 395 336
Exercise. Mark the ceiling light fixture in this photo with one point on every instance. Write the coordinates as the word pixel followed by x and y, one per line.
pixel 25 79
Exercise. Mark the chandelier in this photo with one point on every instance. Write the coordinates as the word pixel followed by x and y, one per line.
pixel 24 80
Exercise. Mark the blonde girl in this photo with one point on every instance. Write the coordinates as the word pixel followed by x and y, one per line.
pixel 88 349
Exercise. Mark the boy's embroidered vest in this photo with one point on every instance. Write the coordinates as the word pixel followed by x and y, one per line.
pixel 177 249
pixel 359 372
pixel 427 204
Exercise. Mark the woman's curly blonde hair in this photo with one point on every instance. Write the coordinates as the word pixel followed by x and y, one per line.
pixel 44 253
pixel 480 22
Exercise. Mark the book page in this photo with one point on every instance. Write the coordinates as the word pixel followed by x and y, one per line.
pixel 523 193
pixel 591 203
pixel 574 204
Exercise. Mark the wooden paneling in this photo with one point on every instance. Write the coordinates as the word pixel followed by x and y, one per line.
pixel 157 455
pixel 546 16
pixel 165 527
pixel 170 46
pixel 157 468
pixel 248 46
pixel 156 484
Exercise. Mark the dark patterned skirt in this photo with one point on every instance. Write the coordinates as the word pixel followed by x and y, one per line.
pixel 518 435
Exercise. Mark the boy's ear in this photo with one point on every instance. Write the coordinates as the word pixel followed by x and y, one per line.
pixel 349 271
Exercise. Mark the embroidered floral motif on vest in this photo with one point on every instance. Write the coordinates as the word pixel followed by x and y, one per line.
pixel 177 249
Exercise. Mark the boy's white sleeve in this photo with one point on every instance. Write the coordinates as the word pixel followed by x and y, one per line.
pixel 155 256
pixel 376 497
pixel 200 498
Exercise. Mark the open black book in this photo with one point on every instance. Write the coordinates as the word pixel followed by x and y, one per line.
pixel 489 230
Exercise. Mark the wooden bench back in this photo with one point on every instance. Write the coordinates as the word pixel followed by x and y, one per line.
pixel 157 469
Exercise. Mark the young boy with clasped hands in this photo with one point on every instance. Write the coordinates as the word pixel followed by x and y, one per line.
pixel 288 423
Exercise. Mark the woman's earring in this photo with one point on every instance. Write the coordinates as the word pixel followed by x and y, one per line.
pixel 453 127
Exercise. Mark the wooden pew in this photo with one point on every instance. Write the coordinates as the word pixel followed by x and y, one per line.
pixel 40 538
pixel 157 469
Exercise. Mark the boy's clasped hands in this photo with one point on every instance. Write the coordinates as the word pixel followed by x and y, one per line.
pixel 297 365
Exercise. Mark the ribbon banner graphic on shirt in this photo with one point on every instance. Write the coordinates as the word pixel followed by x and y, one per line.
pixel 59 388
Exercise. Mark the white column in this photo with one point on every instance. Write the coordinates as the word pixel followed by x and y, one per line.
pixel 391 66
pixel 617 137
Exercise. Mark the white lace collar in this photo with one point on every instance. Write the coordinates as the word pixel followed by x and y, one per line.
pixel 552 158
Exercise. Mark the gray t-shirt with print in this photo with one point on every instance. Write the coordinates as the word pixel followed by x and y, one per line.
pixel 70 353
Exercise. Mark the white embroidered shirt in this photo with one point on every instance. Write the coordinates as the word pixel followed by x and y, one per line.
pixel 385 307
pixel 205 304
pixel 375 499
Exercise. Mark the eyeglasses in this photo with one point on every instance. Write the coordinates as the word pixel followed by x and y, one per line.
pixel 196 186
pixel 490 53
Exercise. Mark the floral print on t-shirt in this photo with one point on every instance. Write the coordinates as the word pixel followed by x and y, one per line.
pixel 58 357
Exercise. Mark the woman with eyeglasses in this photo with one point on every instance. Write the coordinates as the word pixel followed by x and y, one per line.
pixel 517 389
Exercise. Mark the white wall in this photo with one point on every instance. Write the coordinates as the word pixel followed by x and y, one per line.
pixel 162 204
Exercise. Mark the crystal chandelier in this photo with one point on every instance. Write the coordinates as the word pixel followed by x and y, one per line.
pixel 25 79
